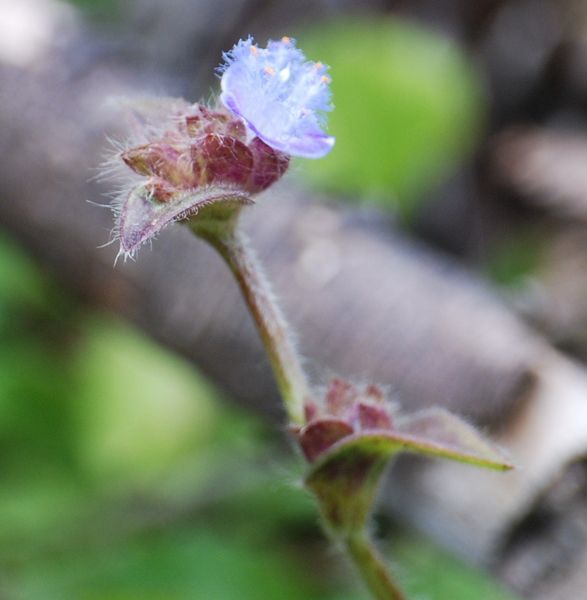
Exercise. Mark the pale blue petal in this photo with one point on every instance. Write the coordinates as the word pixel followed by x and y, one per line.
pixel 280 95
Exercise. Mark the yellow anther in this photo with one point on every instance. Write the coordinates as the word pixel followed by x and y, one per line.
pixel 325 79
pixel 318 66
pixel 269 71
pixel 285 39
pixel 254 50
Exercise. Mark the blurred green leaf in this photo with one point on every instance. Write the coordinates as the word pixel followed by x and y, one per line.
pixel 36 510
pixel 430 573
pixel 139 409
pixel 22 286
pixel 180 564
pixel 408 106
pixel 34 419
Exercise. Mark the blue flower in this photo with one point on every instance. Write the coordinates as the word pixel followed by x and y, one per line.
pixel 280 95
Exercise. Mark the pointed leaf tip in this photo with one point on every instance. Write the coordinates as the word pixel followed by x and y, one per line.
pixel 441 433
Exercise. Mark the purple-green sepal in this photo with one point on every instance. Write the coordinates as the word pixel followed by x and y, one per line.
pixel 143 215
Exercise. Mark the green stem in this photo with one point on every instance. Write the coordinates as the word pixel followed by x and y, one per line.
pixel 273 329
pixel 371 568
pixel 223 234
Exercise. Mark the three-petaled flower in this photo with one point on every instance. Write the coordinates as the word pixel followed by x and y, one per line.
pixel 280 95
pixel 196 157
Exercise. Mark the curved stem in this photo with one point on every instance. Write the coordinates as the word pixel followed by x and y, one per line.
pixel 371 568
pixel 278 340
pixel 271 324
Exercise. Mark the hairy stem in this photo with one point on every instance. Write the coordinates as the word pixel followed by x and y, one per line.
pixel 223 234
pixel 271 324
pixel 371 568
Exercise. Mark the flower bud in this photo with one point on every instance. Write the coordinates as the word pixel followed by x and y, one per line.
pixel 272 106
pixel 371 416
pixel 351 437
pixel 346 410
pixel 223 159
pixel 321 435
pixel 204 120
pixel 162 160
pixel 270 165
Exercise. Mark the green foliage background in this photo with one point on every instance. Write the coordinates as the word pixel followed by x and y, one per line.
pixel 408 108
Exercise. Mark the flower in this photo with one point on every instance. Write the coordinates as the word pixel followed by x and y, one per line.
pixel 194 163
pixel 280 95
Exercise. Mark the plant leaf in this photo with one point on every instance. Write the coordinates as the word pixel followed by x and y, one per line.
pixel 345 479
pixel 141 217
